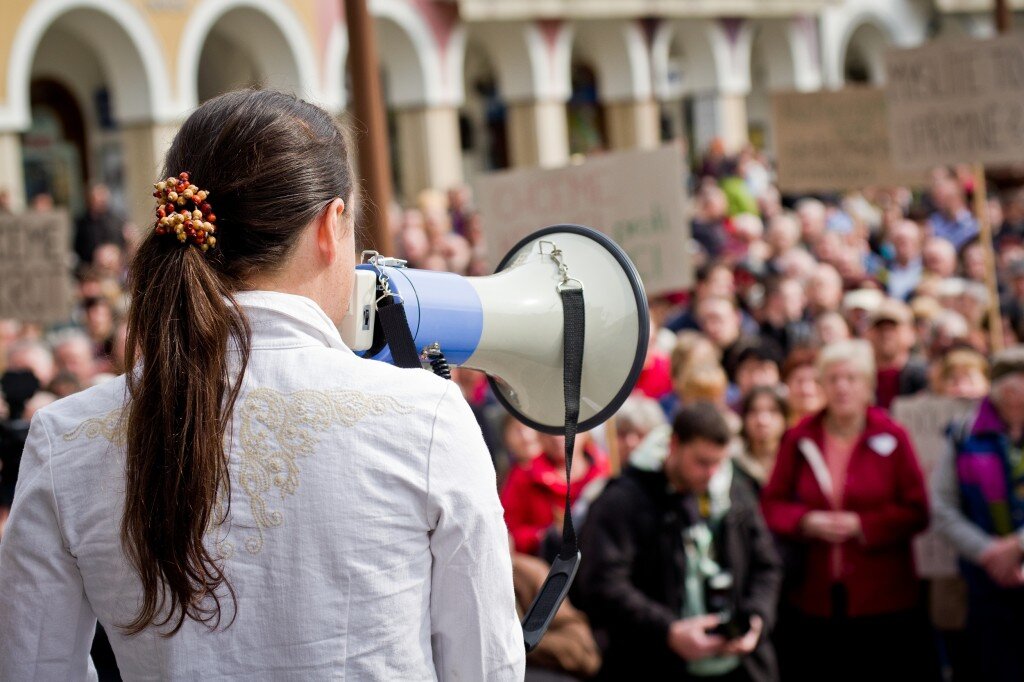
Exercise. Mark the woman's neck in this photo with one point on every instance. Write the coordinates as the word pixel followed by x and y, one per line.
pixel 844 425
pixel 763 451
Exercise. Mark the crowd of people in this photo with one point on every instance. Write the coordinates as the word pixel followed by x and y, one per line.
pixel 751 514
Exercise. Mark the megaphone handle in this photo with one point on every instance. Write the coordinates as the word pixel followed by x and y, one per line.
pixel 563 569
pixel 395 326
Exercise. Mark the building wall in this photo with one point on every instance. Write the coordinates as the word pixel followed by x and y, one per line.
pixel 149 55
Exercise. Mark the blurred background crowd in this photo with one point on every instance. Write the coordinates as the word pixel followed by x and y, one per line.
pixel 809 317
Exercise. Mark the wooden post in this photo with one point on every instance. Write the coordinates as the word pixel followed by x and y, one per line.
pixel 1004 23
pixel 995 318
pixel 371 129
pixel 1004 17
pixel 611 434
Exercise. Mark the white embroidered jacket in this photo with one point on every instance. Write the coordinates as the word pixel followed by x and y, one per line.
pixel 365 539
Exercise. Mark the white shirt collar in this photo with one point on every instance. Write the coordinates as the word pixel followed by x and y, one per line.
pixel 280 320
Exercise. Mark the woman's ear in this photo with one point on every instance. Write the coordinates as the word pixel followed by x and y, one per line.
pixel 330 229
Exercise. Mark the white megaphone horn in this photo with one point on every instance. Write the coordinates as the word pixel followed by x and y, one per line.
pixel 509 325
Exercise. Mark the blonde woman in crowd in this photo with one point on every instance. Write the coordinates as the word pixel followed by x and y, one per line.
pixel 961 372
pixel 692 349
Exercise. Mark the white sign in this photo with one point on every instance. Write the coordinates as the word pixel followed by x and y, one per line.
pixel 956 102
pixel 35 262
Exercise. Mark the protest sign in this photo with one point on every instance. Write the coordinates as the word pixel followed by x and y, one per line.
pixel 956 102
pixel 35 264
pixel 636 198
pixel 834 141
pixel 926 417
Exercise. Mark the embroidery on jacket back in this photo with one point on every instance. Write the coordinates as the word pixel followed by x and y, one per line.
pixel 275 430
pixel 108 426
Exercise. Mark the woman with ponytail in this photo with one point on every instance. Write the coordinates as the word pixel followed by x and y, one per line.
pixel 253 501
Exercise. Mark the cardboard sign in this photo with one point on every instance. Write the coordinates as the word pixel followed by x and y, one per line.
pixel 925 417
pixel 956 102
pixel 636 198
pixel 834 141
pixel 35 267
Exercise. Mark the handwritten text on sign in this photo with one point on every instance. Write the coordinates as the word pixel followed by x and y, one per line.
pixel 829 141
pixel 952 102
pixel 34 260
pixel 636 198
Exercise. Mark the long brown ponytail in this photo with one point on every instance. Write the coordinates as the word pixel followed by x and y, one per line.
pixel 271 163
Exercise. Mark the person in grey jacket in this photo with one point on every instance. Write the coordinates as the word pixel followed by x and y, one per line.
pixel 978 505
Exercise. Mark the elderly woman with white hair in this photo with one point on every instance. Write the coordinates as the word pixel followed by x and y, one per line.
pixel 846 498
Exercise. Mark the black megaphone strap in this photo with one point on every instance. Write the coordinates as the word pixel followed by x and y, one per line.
pixel 566 564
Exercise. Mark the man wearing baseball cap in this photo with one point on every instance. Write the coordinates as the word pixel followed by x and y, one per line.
pixel 891 332
pixel 978 506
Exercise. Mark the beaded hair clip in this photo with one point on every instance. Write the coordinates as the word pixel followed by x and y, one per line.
pixel 182 210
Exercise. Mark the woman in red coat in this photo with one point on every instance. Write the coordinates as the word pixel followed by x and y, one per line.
pixel 534 494
pixel 846 497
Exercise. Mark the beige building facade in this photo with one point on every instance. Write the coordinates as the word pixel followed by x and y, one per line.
pixel 93 90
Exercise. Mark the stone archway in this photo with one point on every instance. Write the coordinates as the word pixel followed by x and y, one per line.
pixel 772 67
pixel 98 58
pixel 864 54
pixel 530 62
pixel 612 89
pixel 423 90
pixel 483 115
pixel 691 63
pixel 240 43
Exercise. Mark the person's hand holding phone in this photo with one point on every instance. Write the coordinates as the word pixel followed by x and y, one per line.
pixel 748 642
pixel 690 640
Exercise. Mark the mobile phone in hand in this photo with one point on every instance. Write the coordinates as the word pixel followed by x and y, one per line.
pixel 732 626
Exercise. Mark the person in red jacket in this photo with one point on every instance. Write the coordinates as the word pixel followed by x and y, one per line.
pixel 534 494
pixel 845 499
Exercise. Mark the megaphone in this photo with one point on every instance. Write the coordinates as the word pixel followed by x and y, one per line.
pixel 509 325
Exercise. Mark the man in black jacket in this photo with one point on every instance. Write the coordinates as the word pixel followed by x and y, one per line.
pixel 642 578
pixel 100 225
